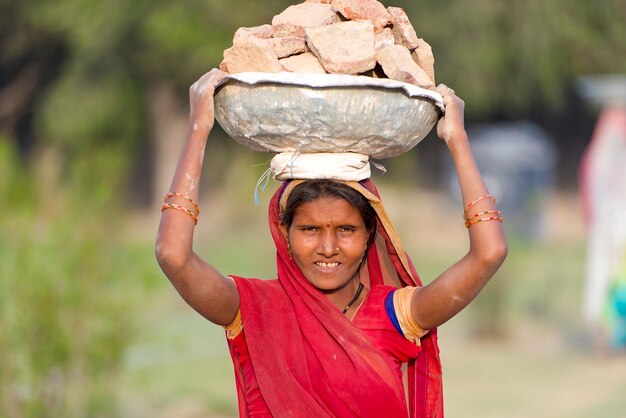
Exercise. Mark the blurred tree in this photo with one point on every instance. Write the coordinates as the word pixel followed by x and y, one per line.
pixel 506 57
pixel 67 296
pixel 86 73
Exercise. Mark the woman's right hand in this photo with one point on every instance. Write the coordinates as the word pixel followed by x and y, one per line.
pixel 200 284
pixel 202 113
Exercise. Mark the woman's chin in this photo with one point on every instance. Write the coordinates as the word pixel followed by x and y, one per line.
pixel 330 284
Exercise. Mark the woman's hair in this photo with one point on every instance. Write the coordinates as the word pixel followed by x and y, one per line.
pixel 311 190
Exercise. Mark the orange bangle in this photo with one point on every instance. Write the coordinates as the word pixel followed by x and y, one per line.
pixel 486 212
pixel 182 196
pixel 180 208
pixel 473 202
pixel 491 218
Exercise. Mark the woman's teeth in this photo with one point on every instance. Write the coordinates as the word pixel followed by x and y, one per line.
pixel 327 264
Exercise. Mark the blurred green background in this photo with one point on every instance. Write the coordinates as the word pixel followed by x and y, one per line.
pixel 92 117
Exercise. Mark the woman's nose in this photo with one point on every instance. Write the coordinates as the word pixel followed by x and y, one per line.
pixel 328 245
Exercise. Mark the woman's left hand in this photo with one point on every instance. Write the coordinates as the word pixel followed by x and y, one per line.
pixel 452 124
pixel 458 285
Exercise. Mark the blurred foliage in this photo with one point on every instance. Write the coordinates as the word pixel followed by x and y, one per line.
pixel 78 74
pixel 501 56
pixel 66 306
pixel 505 57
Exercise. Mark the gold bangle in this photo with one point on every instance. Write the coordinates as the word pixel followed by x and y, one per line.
pixel 486 212
pixel 491 218
pixel 473 202
pixel 182 196
pixel 180 208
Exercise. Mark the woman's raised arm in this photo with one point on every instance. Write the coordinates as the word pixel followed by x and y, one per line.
pixel 455 288
pixel 200 284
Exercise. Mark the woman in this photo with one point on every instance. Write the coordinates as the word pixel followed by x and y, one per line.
pixel 328 337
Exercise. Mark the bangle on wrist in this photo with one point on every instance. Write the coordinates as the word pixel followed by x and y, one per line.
pixel 181 208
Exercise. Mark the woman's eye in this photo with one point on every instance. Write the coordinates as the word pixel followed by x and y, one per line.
pixel 346 229
pixel 309 228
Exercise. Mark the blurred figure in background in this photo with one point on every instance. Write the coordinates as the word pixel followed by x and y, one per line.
pixel 616 308
pixel 603 192
pixel 518 160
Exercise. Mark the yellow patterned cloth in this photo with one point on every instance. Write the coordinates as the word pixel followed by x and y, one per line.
pixel 402 301
pixel 235 327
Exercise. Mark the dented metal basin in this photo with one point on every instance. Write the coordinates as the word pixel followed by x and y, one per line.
pixel 305 112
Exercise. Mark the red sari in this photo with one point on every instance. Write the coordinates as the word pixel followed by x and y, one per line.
pixel 309 360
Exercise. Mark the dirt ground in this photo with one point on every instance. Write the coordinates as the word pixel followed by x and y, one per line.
pixel 534 373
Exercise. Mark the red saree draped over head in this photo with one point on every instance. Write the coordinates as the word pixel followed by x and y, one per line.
pixel 309 359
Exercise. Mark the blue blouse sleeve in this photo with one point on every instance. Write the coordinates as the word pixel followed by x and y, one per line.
pixel 391 312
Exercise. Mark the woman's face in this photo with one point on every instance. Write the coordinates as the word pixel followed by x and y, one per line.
pixel 328 240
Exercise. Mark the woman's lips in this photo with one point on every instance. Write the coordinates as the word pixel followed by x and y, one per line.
pixel 326 265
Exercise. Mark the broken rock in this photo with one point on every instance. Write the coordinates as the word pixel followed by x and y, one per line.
pixel 403 31
pixel 263 32
pixel 385 37
pixel 303 63
pixel 284 47
pixel 251 54
pixel 423 56
pixel 371 10
pixel 344 48
pixel 295 19
pixel 398 64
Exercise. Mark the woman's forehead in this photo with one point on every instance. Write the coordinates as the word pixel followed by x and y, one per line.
pixel 329 210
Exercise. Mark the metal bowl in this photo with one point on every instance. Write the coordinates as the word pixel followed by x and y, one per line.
pixel 307 113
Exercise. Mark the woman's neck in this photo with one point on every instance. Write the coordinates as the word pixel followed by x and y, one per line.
pixel 349 296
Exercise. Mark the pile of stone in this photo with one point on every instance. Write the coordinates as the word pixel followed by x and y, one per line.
pixel 358 37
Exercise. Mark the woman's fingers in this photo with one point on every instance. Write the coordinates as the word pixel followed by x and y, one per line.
pixel 206 82
pixel 450 98
pixel 443 89
pixel 452 122
pixel 448 94
pixel 201 97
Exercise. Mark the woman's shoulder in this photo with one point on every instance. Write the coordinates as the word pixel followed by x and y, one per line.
pixel 378 320
pixel 373 307
pixel 263 285
pixel 381 291
pixel 260 295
